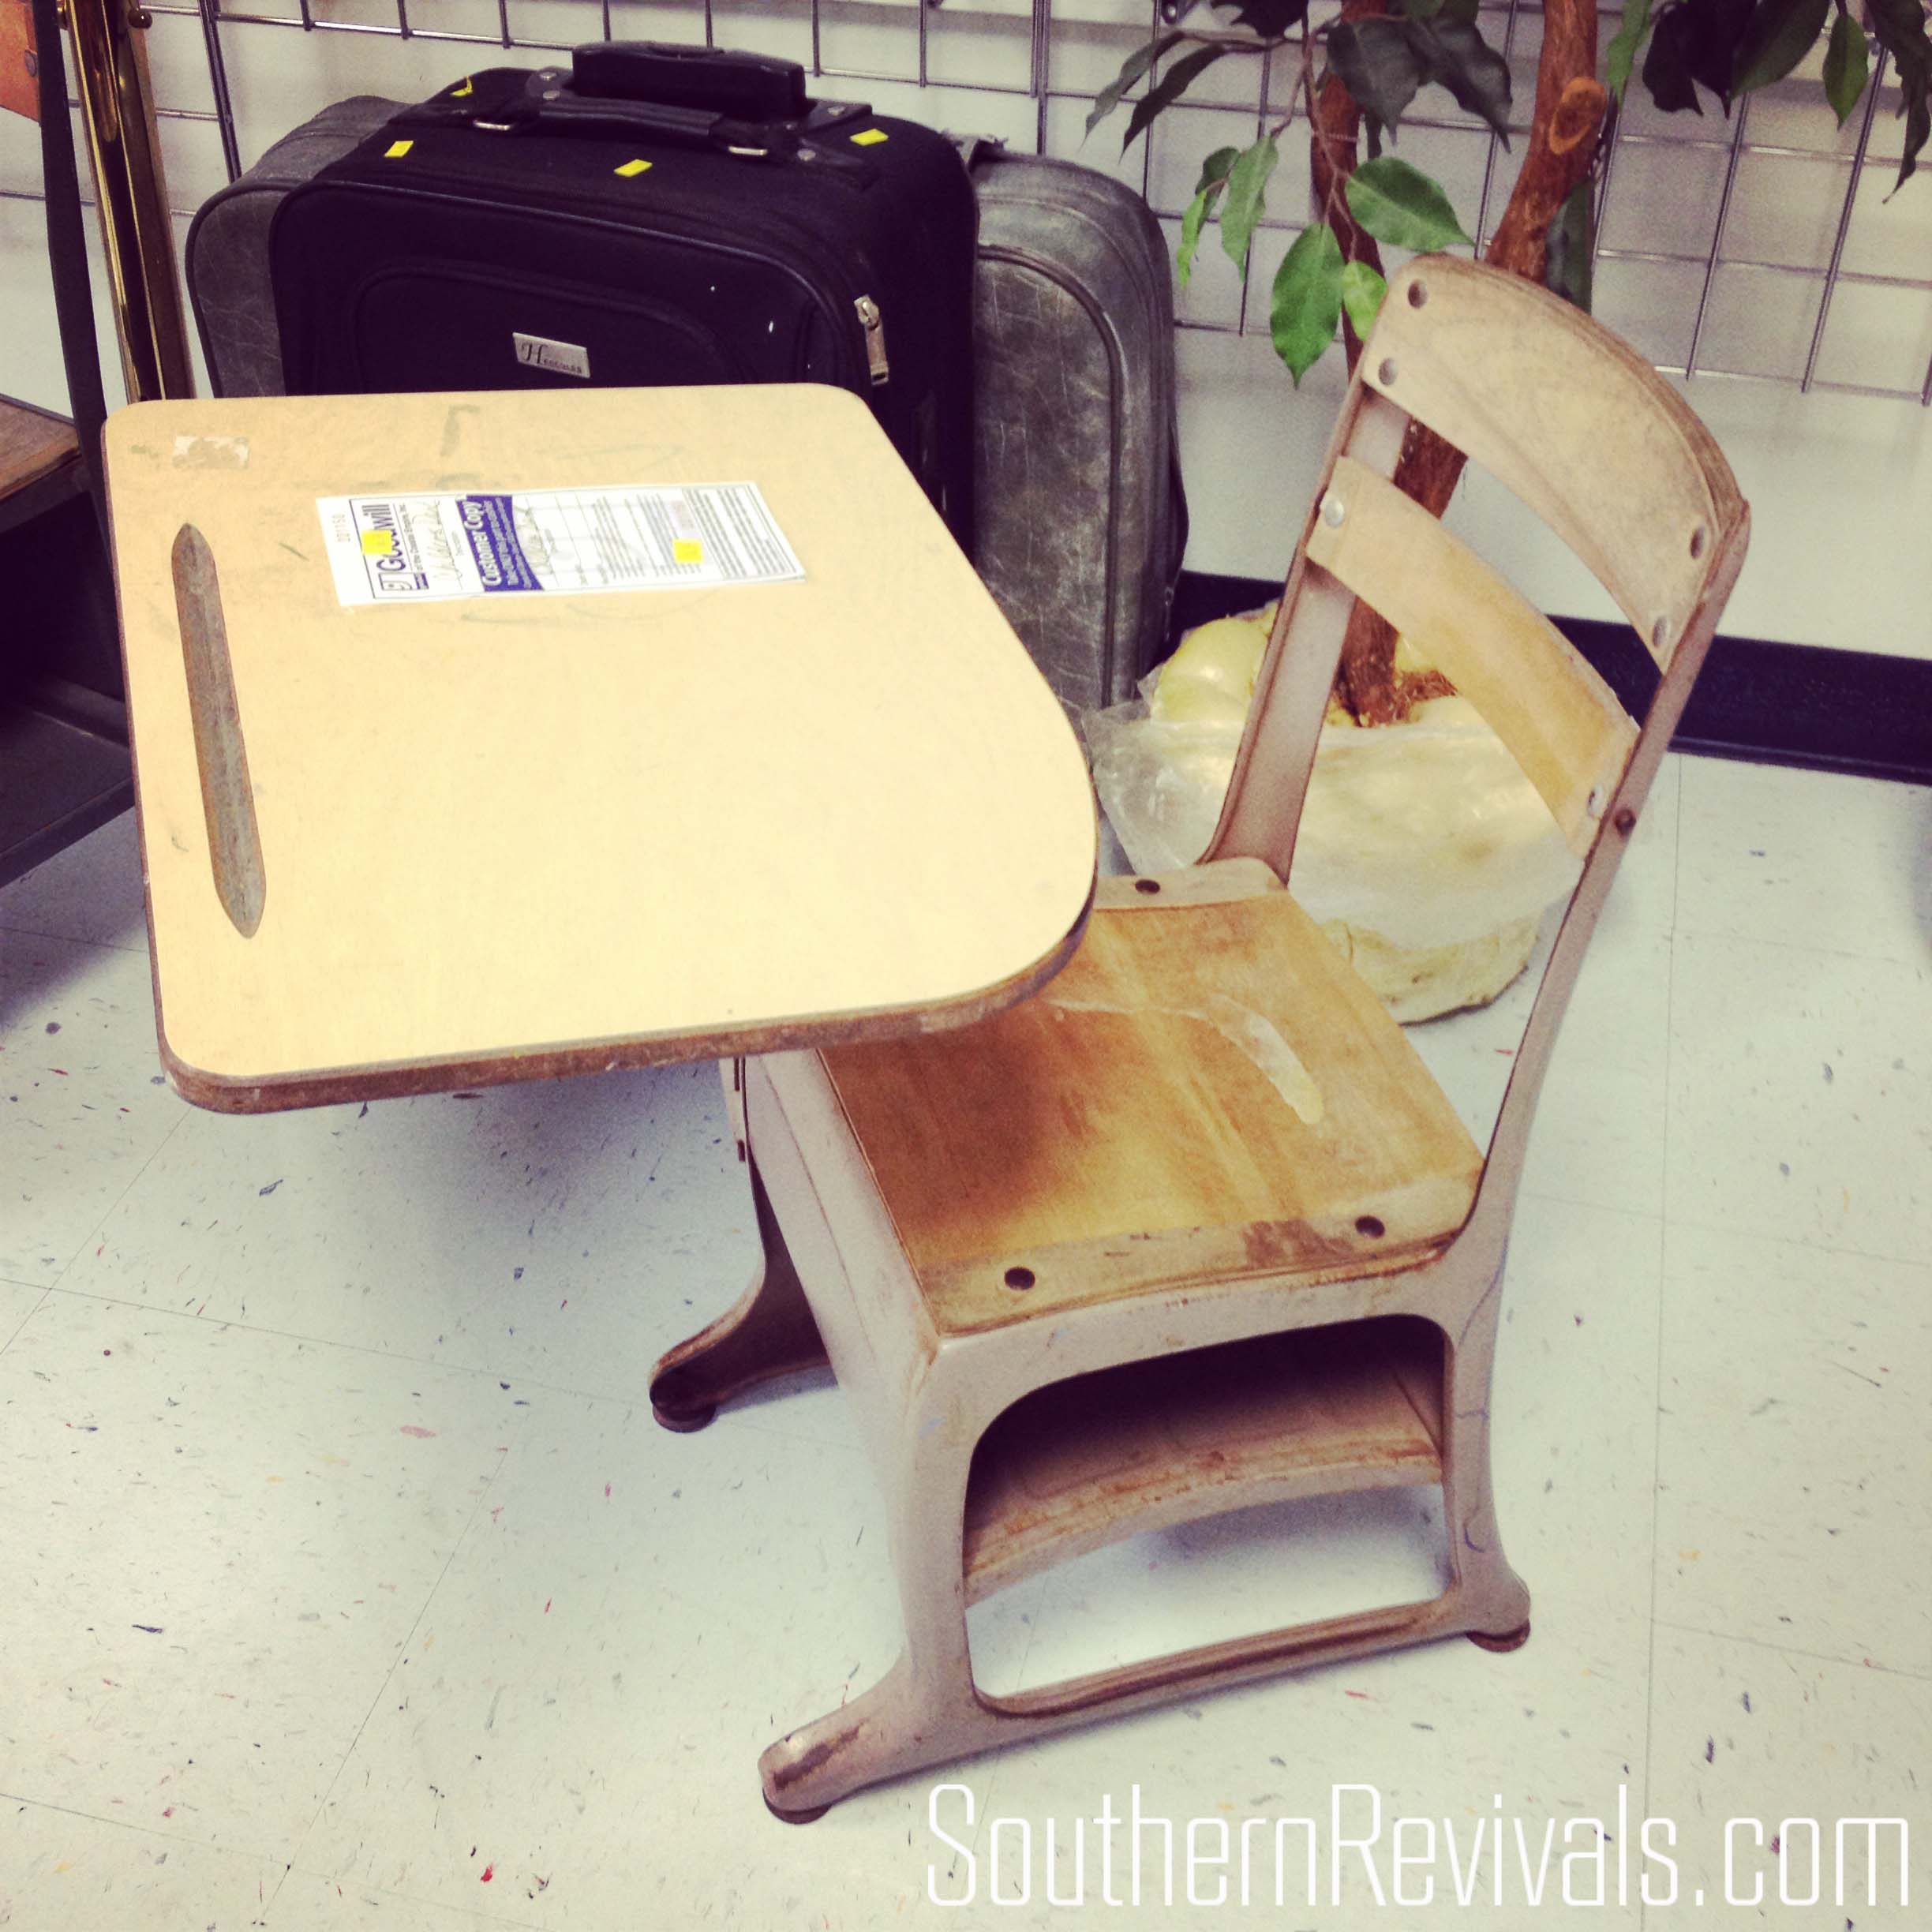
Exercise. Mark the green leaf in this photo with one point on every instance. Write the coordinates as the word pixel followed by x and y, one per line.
pixel 1132 68
pixel 1271 19
pixel 1567 267
pixel 1307 301
pixel 1714 31
pixel 1666 66
pixel 1900 26
pixel 1378 66
pixel 1847 66
pixel 1623 54
pixel 1247 184
pixel 1362 290
pixel 1401 205
pixel 1455 56
pixel 1214 169
pixel 1191 223
pixel 1778 35
pixel 1175 81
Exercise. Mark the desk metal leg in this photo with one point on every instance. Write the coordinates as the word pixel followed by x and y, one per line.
pixel 770 1333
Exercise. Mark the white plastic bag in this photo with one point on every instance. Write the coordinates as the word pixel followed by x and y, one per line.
pixel 1423 850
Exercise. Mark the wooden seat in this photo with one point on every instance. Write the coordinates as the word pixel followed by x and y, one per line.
pixel 1193 1228
pixel 40 462
pixel 33 443
pixel 1261 1113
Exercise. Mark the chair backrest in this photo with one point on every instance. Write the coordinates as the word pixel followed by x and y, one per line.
pixel 1593 440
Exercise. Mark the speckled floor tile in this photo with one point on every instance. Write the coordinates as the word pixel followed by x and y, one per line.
pixel 1780 1743
pixel 1573 1414
pixel 1801 1092
pixel 306 1902
pixel 1794 1451
pixel 92 891
pixel 566 1233
pixel 1599 1132
pixel 17 1303
pixel 635 1616
pixel 1820 859
pixel 218 1541
pixel 61 1871
pixel 80 1112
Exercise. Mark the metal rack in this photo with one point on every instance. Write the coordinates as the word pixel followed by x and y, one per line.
pixel 1033 34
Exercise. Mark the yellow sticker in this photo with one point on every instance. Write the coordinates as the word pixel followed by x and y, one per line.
pixel 870 138
pixel 631 169
pixel 686 550
pixel 468 87
pixel 396 150
pixel 378 543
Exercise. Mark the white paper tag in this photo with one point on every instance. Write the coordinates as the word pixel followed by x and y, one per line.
pixel 477 542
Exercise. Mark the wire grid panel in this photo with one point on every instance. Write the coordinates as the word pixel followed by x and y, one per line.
pixel 1766 247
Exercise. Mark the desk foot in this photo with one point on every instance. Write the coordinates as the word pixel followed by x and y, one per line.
pixel 1509 1640
pixel 684 1422
pixel 770 1333
pixel 810 1816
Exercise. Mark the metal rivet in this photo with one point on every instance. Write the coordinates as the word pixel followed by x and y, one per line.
pixel 1386 374
pixel 1418 293
pixel 1625 821
pixel 553 93
pixel 1698 536
pixel 1659 634
pixel 1147 885
pixel 1019 1278
pixel 1334 510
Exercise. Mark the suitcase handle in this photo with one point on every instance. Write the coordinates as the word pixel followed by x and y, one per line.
pixel 744 87
pixel 548 102
pixel 514 100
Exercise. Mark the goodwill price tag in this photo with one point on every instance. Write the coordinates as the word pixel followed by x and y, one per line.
pixel 477 542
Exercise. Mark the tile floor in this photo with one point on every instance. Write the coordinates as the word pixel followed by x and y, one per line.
pixel 348 1583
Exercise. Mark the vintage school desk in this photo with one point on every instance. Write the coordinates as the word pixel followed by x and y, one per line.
pixel 804 787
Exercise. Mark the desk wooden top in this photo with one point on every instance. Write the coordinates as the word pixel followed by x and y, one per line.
pixel 512 837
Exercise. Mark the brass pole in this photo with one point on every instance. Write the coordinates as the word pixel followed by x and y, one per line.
pixel 116 109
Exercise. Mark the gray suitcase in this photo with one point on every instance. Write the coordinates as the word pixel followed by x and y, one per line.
pixel 1081 519
pixel 1082 522
pixel 227 251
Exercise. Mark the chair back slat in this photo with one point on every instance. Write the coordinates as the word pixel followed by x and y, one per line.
pixel 1569 419
pixel 1558 718
pixel 1596 444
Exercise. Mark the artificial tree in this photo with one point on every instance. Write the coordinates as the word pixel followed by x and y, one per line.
pixel 1356 76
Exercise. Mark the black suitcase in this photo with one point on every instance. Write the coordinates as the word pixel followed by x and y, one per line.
pixel 655 215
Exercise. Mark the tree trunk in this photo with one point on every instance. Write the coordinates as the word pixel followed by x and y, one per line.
pixel 1569 107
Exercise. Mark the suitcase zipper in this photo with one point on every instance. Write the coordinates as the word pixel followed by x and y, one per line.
pixel 874 323
pixel 807 267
